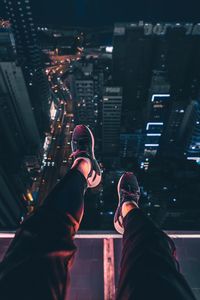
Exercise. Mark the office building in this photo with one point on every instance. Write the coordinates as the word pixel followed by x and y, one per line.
pixel 139 49
pixel 88 86
pixel 29 58
pixel 131 145
pixel 157 113
pixel 20 143
pixel 7 44
pixel 20 139
pixel 112 105
pixel 190 131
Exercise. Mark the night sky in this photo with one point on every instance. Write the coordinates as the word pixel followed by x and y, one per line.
pixel 106 12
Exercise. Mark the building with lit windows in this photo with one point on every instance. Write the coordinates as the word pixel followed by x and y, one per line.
pixel 85 101
pixel 190 131
pixel 156 59
pixel 20 143
pixel 7 44
pixel 13 87
pixel 19 134
pixel 88 86
pixel 131 145
pixel 20 16
pixel 112 105
pixel 158 108
pixel 29 58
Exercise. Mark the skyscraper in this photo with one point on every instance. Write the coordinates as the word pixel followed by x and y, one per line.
pixel 132 67
pixel 20 139
pixel 20 119
pixel 88 84
pixel 29 58
pixel 7 44
pixel 20 16
pixel 190 131
pixel 140 48
pixel 112 104
pixel 131 145
pixel 157 66
pixel 157 113
pixel 85 106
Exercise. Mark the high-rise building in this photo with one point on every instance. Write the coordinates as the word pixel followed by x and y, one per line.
pixel 18 113
pixel 171 135
pixel 157 113
pixel 11 205
pixel 7 44
pixel 141 47
pixel 88 85
pixel 20 16
pixel 20 143
pixel 189 134
pixel 112 104
pixel 20 139
pixel 85 98
pixel 29 58
pixel 131 145
pixel 132 67
pixel 157 66
pixel 155 126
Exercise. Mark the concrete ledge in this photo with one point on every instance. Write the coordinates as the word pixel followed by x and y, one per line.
pixel 114 235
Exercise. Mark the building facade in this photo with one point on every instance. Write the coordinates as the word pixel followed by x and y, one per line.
pixel 112 105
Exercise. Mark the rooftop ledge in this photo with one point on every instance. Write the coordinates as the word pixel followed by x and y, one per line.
pixel 114 235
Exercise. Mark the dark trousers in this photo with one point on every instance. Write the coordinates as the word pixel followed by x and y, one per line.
pixel 37 262
pixel 149 269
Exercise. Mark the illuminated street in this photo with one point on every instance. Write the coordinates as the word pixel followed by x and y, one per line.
pixel 124 78
pixel 57 143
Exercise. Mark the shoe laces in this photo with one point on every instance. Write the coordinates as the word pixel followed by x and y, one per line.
pixel 129 196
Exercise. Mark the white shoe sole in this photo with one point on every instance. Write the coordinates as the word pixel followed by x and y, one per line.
pixel 96 182
pixel 93 184
pixel 117 225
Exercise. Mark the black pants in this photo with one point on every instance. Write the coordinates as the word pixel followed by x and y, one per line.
pixel 37 262
pixel 149 269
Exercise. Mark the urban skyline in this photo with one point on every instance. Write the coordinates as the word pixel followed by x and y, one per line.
pixel 137 86
pixel 102 12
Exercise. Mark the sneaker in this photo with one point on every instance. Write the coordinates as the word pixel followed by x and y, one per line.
pixel 82 145
pixel 128 191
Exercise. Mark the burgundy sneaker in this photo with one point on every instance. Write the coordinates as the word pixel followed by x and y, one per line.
pixel 128 191
pixel 82 145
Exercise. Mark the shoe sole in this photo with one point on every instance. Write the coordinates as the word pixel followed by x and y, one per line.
pixel 98 178
pixel 92 137
pixel 117 226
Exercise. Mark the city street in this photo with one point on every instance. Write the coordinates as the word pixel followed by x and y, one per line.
pixel 57 146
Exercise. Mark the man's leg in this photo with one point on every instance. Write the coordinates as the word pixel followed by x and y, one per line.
pixel 37 261
pixel 149 269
